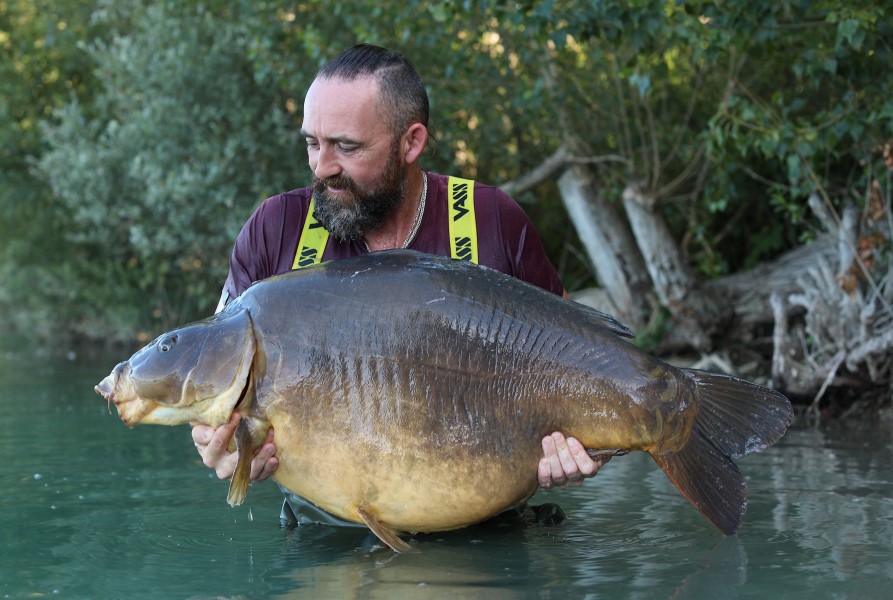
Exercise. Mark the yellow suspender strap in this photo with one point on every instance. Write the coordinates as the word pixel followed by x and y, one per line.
pixel 312 242
pixel 463 230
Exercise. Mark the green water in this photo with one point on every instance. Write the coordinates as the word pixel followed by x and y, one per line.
pixel 90 509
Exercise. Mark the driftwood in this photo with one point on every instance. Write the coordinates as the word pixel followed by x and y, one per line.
pixel 696 314
pixel 638 264
pixel 829 303
pixel 610 245
pixel 837 329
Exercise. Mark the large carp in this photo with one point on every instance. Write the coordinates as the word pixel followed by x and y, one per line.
pixel 410 393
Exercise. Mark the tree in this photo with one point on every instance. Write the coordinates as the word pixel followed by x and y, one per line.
pixel 40 67
pixel 154 177
pixel 682 141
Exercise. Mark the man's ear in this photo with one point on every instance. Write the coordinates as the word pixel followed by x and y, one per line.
pixel 413 142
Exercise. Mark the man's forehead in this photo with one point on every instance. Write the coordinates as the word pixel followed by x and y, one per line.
pixel 341 95
pixel 334 107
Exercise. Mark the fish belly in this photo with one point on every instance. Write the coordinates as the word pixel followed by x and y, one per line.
pixel 408 483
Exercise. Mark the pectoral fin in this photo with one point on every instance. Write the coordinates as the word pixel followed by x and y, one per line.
pixel 384 534
pixel 606 454
pixel 249 436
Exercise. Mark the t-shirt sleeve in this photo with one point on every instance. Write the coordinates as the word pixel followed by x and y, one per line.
pixel 258 247
pixel 522 244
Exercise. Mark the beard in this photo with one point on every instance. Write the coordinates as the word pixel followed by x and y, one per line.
pixel 349 216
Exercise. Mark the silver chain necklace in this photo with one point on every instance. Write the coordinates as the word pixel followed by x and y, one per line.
pixel 418 216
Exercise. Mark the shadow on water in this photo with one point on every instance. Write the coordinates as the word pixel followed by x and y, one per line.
pixel 91 509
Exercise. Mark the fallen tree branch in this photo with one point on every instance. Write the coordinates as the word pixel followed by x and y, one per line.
pixel 557 161
pixel 840 314
pixel 877 345
pixel 545 170
pixel 832 373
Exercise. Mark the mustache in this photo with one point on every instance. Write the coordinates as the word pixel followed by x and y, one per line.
pixel 340 182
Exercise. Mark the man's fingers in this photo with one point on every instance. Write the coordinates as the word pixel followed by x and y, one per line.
pixel 566 459
pixel 550 454
pixel 565 462
pixel 265 462
pixel 213 446
pixel 266 470
pixel 544 474
pixel 226 466
pixel 217 446
pixel 201 434
pixel 585 465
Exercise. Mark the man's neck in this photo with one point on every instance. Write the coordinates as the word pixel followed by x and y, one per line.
pixel 396 229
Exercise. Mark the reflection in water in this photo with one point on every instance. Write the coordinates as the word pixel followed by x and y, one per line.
pixel 721 570
pixel 834 497
pixel 93 510
pixel 445 566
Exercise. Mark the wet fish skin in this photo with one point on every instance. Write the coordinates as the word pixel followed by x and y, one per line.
pixel 411 392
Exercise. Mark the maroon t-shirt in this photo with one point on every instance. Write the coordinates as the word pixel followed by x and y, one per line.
pixel 507 241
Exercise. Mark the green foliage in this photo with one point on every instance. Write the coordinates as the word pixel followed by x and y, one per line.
pixel 40 67
pixel 166 122
pixel 810 122
pixel 156 178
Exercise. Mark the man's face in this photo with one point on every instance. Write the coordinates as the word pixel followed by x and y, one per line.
pixel 354 211
pixel 359 175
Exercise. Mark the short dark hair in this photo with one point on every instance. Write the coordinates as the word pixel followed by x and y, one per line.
pixel 401 88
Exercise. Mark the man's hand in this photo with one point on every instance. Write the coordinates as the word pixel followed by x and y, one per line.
pixel 212 446
pixel 565 462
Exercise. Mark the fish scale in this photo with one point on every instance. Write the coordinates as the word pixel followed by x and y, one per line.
pixel 410 393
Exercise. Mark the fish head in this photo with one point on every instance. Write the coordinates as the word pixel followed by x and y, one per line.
pixel 197 373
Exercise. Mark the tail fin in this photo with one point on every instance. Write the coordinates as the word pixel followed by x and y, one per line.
pixel 735 418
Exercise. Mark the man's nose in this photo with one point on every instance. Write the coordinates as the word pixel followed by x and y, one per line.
pixel 326 164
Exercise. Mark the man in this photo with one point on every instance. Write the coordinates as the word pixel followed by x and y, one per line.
pixel 366 126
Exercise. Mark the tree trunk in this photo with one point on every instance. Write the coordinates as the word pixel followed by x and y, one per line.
pixel 609 245
pixel 748 292
pixel 696 314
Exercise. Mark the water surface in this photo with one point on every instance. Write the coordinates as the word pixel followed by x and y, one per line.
pixel 90 509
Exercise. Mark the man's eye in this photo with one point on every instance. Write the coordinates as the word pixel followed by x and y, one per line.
pixel 347 149
pixel 312 145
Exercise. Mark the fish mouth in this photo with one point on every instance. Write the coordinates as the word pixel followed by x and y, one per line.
pixel 116 390
pixel 106 389
pixel 107 386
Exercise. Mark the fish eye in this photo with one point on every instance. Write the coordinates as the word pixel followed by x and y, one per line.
pixel 167 343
